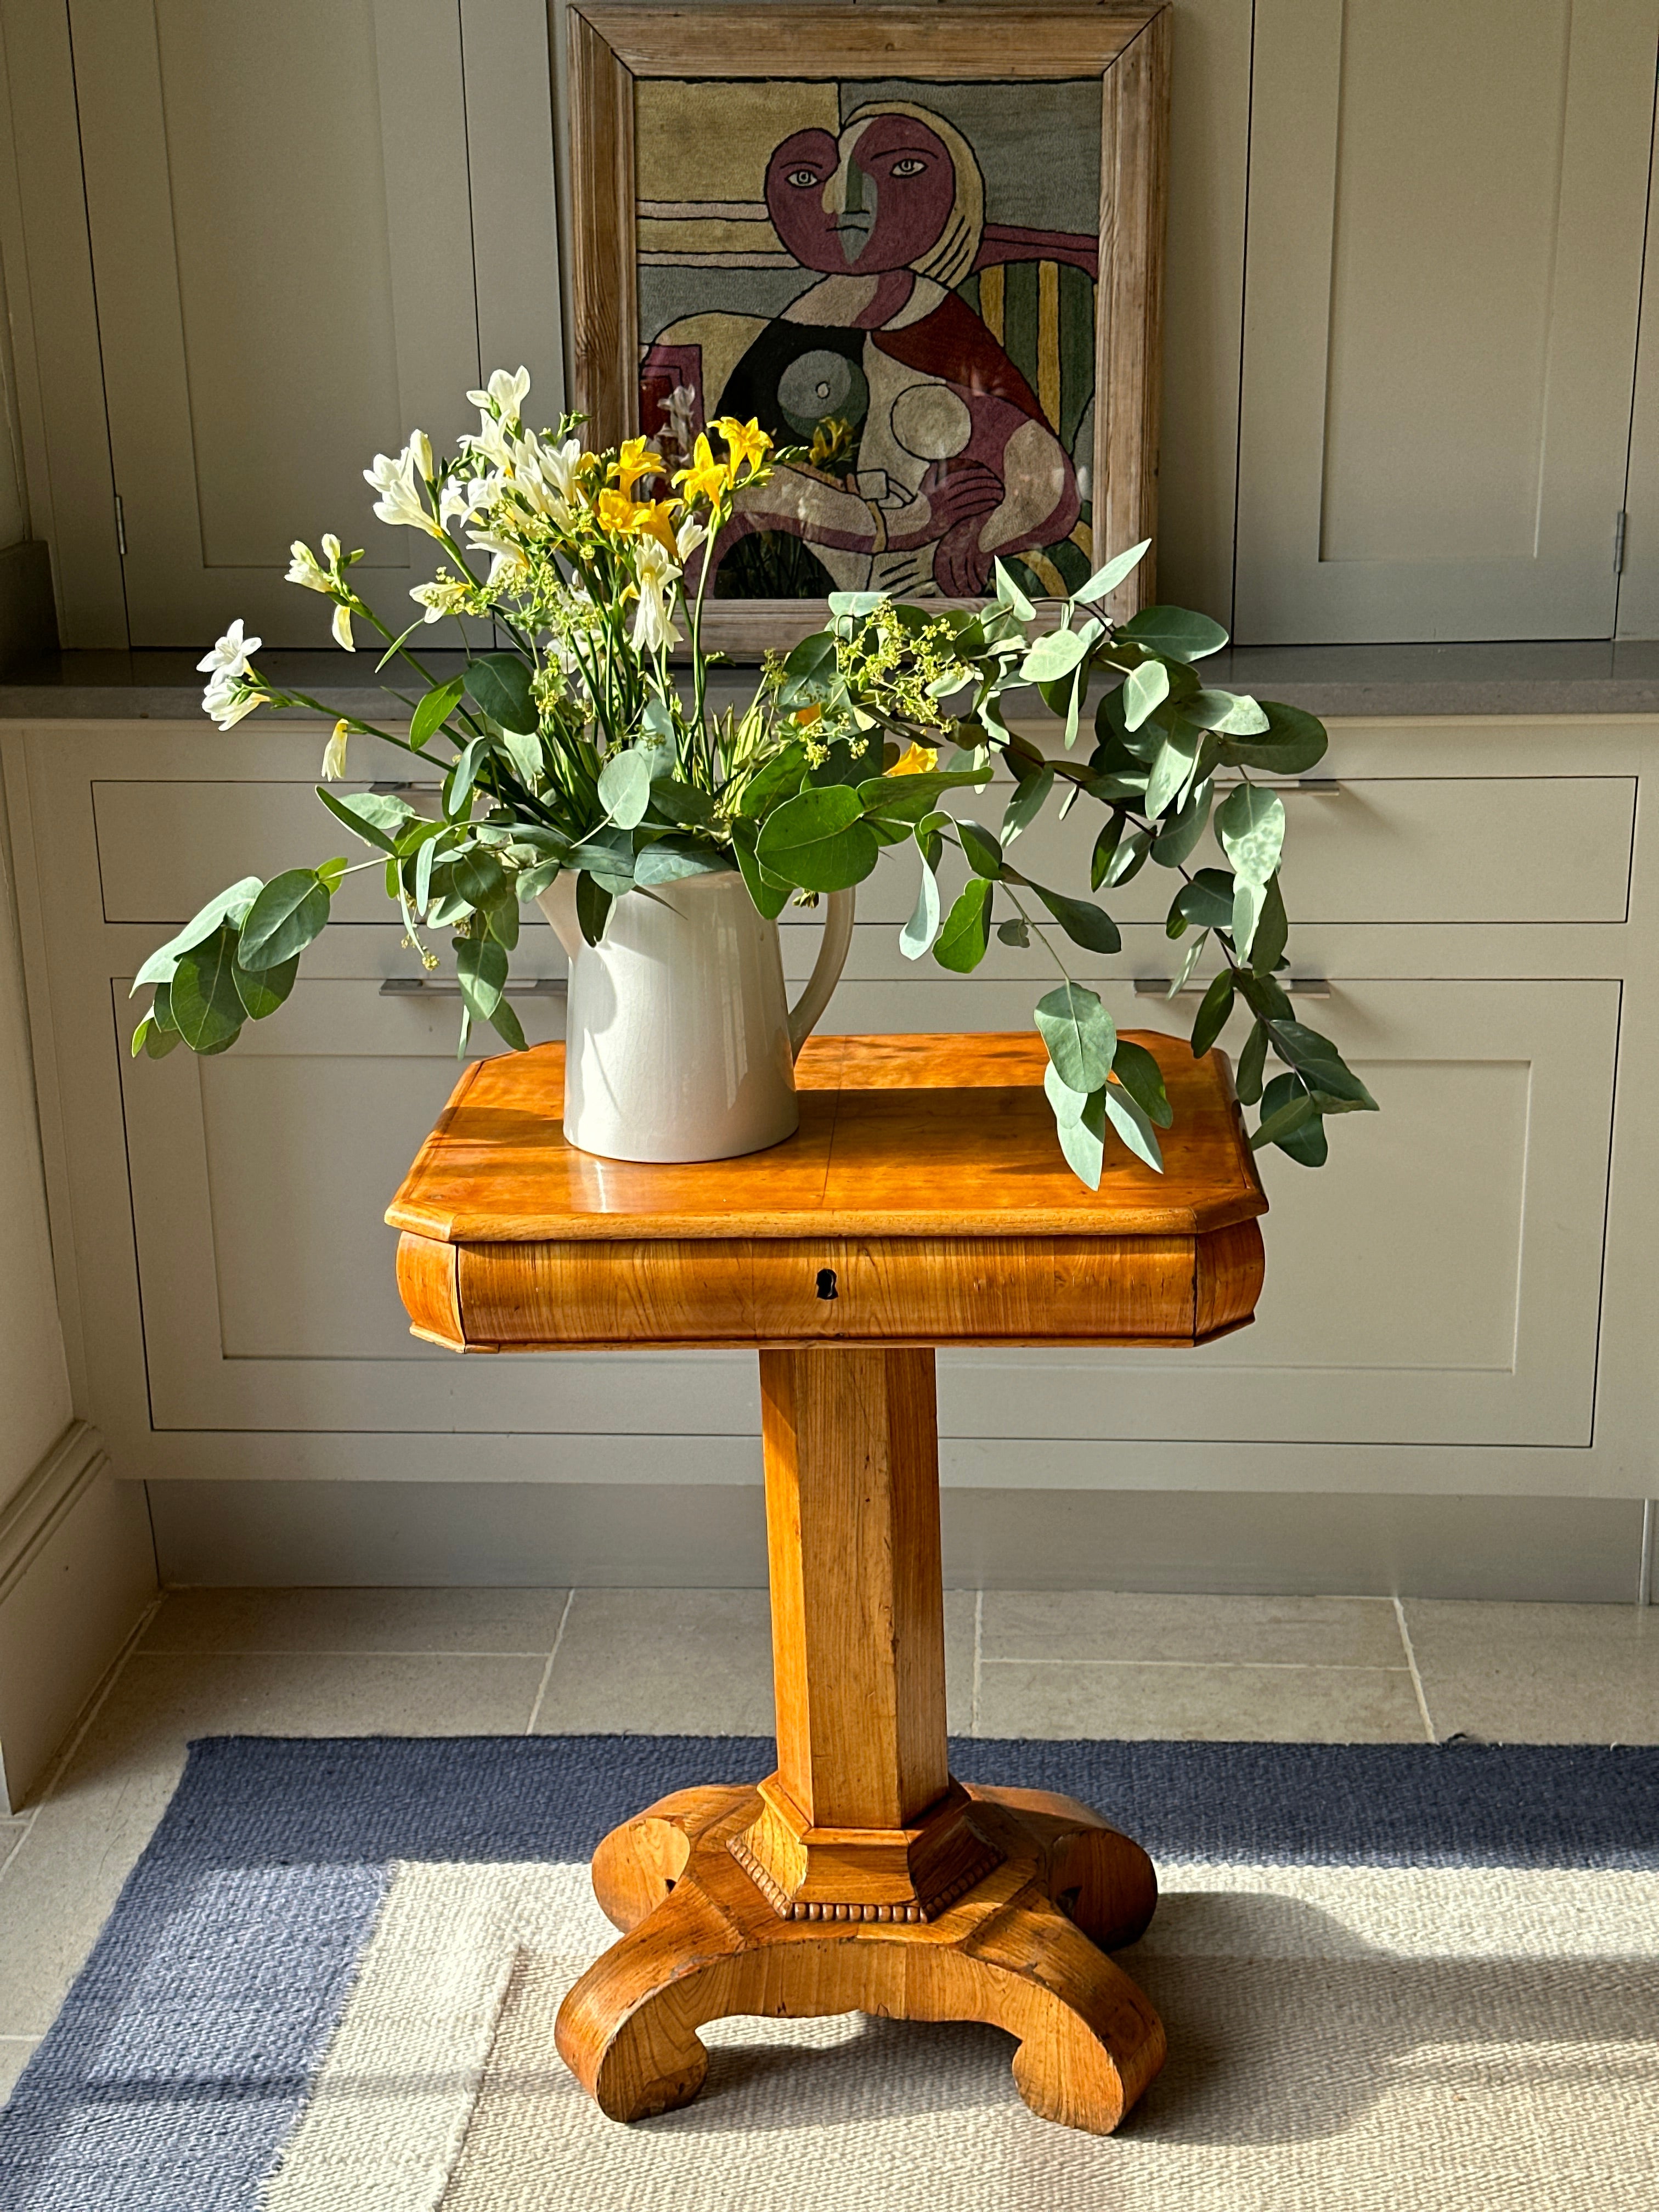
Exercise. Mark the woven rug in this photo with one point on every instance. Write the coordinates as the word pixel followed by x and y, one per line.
pixel 1395 1976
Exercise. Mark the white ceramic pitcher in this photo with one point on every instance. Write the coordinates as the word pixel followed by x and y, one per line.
pixel 680 1043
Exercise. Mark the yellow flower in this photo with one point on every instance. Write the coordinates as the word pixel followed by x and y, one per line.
pixel 806 718
pixel 705 478
pixel 747 441
pixel 920 759
pixel 830 440
pixel 635 460
pixel 633 518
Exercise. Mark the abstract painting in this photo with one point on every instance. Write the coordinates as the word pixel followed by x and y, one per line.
pixel 897 274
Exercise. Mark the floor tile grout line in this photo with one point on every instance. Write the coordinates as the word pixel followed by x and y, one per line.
pixel 979 1646
pixel 307 1651
pixel 547 1671
pixel 1236 1666
pixel 1417 1679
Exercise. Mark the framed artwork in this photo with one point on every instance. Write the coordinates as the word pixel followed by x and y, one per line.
pixel 923 245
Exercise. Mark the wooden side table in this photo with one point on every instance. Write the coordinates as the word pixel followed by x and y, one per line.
pixel 923 1201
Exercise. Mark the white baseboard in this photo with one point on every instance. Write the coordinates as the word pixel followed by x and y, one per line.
pixel 77 1568
pixel 712 1535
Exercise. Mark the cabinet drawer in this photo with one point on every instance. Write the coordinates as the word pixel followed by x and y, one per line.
pixel 165 847
pixel 1527 850
pixel 1524 849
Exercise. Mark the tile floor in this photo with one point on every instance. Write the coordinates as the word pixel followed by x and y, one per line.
pixel 445 1663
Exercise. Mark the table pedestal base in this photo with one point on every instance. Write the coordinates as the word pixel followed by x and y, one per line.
pixel 1023 1949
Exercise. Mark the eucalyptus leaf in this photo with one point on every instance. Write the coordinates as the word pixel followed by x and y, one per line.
pixel 625 787
pixel 983 852
pixel 1182 830
pixel 819 840
pixel 1207 900
pixel 263 991
pixel 1250 825
pixel 1320 1065
pixel 1084 922
pixel 432 712
pixel 1015 931
pixel 1251 1063
pixel 1030 796
pixel 917 935
pixel 777 779
pixel 500 682
pixel 1080 1034
pixel 1082 1139
pixel 1056 654
pixel 1009 594
pixel 1130 1120
pixel 769 898
pixel 202 997
pixel 1294 743
pixel 1109 578
pixel 1301 1135
pixel 1213 1010
pixel 291 910
pixel 1232 714
pixel 1127 861
pixel 592 905
pixel 673 858
pixel 1174 631
pixel 682 803
pixel 481 966
pixel 155 1042
pixel 1135 1067
pixel 965 939
pixel 525 754
pixel 1249 899
pixel 376 816
pixel 1143 688
pixel 1173 765
pixel 1271 931
pixel 229 905
pixel 1068 1104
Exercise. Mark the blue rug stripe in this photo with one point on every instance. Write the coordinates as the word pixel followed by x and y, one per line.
pixel 212 1993
pixel 248 1800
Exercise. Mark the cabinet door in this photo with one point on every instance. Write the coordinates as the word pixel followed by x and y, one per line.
pixel 279 205
pixel 1439 1283
pixel 1446 212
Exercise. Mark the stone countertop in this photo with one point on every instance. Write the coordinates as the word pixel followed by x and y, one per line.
pixel 1334 681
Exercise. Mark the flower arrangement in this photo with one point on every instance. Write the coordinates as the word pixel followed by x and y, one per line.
pixel 581 746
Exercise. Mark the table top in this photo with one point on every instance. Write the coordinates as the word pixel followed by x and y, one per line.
pixel 899 1136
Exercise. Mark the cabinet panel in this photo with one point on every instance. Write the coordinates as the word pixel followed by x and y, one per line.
pixel 1442 278
pixel 1420 849
pixel 281 228
pixel 1439 1282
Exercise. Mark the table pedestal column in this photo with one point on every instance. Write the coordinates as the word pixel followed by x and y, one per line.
pixel 859 1876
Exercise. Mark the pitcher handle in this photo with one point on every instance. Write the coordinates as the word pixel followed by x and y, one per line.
pixel 833 948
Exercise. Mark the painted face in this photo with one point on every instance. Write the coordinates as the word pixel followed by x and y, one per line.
pixel 875 199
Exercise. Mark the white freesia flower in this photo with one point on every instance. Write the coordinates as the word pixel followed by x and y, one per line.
pixel 334 755
pixel 689 535
pixel 507 561
pixel 230 654
pixel 400 502
pixel 421 447
pixel 228 701
pixel 330 549
pixel 509 393
pixel 305 569
pixel 653 625
pixel 342 629
pixel 441 598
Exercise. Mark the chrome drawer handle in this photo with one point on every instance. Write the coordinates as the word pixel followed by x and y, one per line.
pixel 1295 987
pixel 408 987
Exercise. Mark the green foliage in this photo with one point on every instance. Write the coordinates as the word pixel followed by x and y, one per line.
pixel 578 749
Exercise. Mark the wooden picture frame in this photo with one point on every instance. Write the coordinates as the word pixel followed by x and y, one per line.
pixel 613 49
